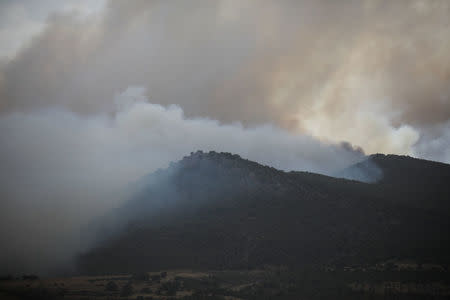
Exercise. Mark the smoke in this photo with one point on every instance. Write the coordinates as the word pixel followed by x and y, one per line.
pixel 375 73
pixel 436 144
pixel 279 82
pixel 60 169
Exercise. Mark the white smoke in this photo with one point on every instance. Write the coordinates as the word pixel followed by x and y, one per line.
pixel 375 73
pixel 60 170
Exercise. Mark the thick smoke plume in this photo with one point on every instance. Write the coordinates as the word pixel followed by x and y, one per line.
pixel 60 169
pixel 375 73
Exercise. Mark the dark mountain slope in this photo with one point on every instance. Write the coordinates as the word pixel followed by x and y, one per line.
pixel 217 210
pixel 414 182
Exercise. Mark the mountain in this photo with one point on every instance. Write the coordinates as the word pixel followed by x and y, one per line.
pixel 219 211
pixel 414 182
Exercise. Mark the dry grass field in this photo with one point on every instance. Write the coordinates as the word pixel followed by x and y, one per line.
pixel 376 282
pixel 178 284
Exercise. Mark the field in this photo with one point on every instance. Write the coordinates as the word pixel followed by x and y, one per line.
pixel 401 281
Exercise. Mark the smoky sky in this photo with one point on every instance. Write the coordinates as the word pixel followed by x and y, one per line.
pixel 92 98
pixel 60 170
pixel 372 73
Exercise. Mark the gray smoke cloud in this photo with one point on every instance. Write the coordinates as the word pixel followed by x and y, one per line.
pixel 279 82
pixel 375 73
pixel 61 169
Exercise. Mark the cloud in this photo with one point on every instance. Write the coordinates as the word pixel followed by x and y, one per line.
pixel 372 72
pixel 61 169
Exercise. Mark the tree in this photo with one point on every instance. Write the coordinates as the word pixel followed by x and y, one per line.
pixel 141 276
pixel 127 290
pixel 111 286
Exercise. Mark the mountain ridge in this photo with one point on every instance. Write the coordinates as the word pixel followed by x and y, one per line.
pixel 217 210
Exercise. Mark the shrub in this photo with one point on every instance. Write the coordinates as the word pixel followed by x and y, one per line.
pixel 111 286
pixel 143 276
pixel 30 277
pixel 127 290
pixel 170 287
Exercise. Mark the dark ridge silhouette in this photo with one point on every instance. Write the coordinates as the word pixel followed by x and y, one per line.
pixel 219 211
pixel 416 182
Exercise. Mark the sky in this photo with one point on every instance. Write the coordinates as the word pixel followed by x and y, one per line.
pixel 96 94
pixel 374 74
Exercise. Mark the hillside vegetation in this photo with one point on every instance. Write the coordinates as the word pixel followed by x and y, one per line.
pixel 219 211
